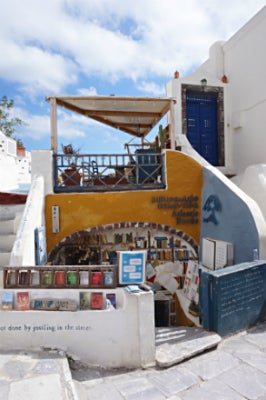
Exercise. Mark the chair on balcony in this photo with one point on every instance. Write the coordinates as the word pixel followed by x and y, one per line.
pixel 89 172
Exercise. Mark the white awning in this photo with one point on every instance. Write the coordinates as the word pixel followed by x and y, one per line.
pixel 133 115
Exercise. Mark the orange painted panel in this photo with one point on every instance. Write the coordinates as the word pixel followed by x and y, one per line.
pixel 179 205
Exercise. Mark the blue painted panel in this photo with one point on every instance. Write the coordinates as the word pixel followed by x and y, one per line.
pixel 234 298
pixel 40 246
pixel 233 220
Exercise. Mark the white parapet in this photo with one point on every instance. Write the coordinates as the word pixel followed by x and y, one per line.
pixel 111 338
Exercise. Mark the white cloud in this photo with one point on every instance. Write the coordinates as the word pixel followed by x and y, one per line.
pixel 91 91
pixel 151 88
pixel 46 43
pixel 55 46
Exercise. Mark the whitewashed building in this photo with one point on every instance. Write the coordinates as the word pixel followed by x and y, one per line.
pixel 221 108
pixel 17 164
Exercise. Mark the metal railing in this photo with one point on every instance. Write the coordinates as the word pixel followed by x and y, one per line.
pixel 108 172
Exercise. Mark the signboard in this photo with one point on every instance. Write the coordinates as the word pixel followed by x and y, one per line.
pixel 40 246
pixel 132 267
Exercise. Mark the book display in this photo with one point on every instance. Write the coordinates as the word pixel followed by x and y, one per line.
pixel 103 248
pixel 7 301
pixel 22 301
pixel 165 263
pixel 58 277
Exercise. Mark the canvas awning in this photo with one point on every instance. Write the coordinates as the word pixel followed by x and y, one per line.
pixel 133 115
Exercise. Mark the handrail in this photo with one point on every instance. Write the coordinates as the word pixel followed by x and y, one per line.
pixel 108 172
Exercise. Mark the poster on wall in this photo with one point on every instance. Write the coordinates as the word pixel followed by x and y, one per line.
pixel 132 267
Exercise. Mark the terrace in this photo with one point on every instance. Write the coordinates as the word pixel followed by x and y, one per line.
pixel 142 168
pixel 102 172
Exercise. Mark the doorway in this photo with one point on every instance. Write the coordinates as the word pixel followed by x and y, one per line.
pixel 202 126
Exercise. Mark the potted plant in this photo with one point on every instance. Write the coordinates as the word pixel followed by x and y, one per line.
pixel 71 175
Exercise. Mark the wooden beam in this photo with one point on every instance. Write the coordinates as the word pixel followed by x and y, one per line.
pixel 53 124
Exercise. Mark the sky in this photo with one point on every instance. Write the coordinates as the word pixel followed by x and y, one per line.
pixel 102 47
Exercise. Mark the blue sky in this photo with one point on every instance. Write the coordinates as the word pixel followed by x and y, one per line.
pixel 103 47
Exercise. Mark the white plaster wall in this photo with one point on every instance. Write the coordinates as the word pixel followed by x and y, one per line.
pixel 8 149
pixel 245 66
pixel 122 337
pixel 253 182
pixel 243 60
pixel 42 165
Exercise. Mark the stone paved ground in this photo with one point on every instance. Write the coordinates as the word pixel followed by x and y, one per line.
pixel 236 370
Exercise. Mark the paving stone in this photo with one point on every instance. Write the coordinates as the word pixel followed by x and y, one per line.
pixel 246 380
pixel 174 380
pixel 256 359
pixel 44 367
pixel 102 392
pixel 211 390
pixel 4 389
pixel 174 397
pixel 210 365
pixel 139 388
pixel 180 347
pixel 41 388
pixel 256 336
pixel 16 369
pixel 238 345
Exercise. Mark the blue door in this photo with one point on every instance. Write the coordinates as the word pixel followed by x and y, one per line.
pixel 202 129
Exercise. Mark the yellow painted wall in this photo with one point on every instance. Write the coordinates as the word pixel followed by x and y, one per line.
pixel 78 211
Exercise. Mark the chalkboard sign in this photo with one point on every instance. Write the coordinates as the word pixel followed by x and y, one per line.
pixel 233 298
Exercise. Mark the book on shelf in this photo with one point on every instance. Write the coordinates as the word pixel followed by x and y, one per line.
pixel 84 300
pixel 108 278
pixel 97 301
pixel 96 278
pixel 67 305
pixel 7 300
pixel 51 304
pixel 37 304
pixel 112 299
pixel 22 301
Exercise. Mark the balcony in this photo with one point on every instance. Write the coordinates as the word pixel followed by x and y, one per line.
pixel 143 170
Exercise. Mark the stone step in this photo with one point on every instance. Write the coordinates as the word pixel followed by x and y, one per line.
pixel 6 242
pixel 175 345
pixel 9 212
pixel 4 258
pixel 8 226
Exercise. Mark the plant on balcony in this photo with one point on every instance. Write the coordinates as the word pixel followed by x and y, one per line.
pixel 71 175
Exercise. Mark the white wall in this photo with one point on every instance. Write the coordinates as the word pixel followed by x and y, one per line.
pixel 122 337
pixel 8 151
pixel 42 164
pixel 243 60
pixel 245 66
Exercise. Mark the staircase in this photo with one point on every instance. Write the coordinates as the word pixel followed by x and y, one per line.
pixel 10 216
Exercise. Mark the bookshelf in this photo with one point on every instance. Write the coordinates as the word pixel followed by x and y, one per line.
pixel 58 277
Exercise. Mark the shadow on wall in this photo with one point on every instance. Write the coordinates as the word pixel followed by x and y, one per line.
pixel 229 214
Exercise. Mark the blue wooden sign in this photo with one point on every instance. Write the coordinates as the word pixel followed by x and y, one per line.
pixel 132 267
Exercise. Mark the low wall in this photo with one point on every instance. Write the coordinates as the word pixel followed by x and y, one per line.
pixel 233 298
pixel 23 251
pixel 113 338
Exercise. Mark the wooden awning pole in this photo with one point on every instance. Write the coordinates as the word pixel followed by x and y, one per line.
pixel 172 124
pixel 53 124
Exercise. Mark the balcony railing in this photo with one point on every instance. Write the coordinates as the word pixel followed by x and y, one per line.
pixel 143 170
